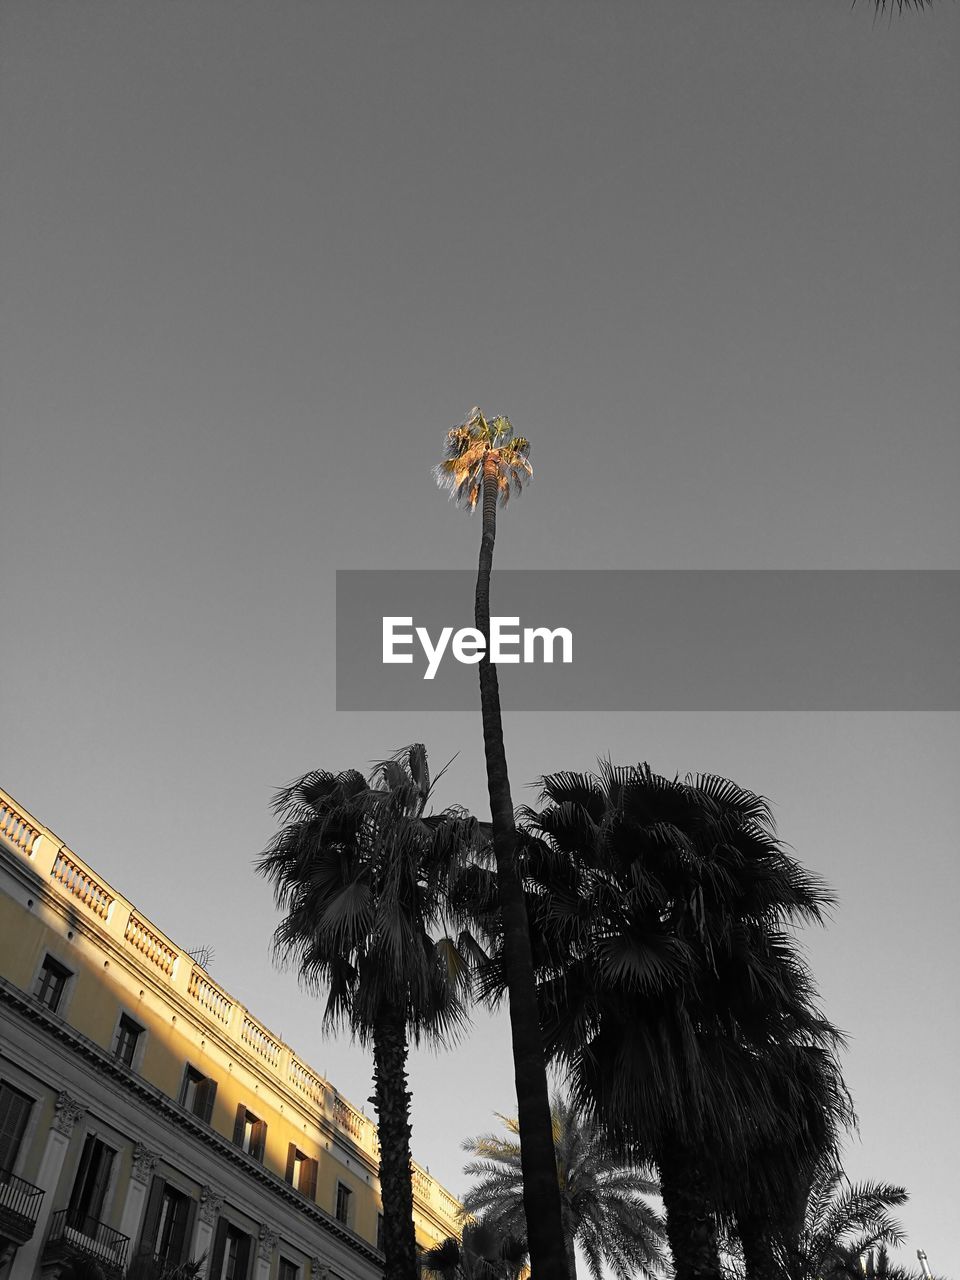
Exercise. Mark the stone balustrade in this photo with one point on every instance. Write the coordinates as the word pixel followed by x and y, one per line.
pixel 68 876
pixel 310 1085
pixel 150 944
pixel 257 1038
pixel 15 826
pixel 209 996
pixel 81 884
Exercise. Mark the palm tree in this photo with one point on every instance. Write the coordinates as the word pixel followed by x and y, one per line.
pixel 484 462
pixel 602 1199
pixel 481 1253
pixel 840 1224
pixel 877 1264
pixel 669 984
pixel 361 869
pixel 146 1267
pixel 881 5
pixel 764 1185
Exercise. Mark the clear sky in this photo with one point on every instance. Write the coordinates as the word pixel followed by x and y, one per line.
pixel 258 255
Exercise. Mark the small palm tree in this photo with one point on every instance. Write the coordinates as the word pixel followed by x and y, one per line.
pixel 842 1223
pixel 361 870
pixel 146 1267
pixel 603 1201
pixel 484 463
pixel 481 1253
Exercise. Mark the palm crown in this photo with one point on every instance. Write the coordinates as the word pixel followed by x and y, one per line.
pixel 842 1224
pixel 361 869
pixel 477 442
pixel 603 1200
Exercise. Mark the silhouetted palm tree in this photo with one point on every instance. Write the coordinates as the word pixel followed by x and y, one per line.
pixel 841 1222
pixel 881 5
pixel 146 1267
pixel 484 462
pixel 603 1200
pixel 481 1253
pixel 361 870
pixel 669 982
pixel 761 1187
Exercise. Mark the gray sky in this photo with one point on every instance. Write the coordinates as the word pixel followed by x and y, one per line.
pixel 258 257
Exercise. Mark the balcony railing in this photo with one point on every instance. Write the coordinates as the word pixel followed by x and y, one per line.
pixel 19 1206
pixel 72 1233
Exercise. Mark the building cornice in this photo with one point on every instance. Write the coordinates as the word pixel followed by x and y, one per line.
pixel 30 1009
pixel 88 906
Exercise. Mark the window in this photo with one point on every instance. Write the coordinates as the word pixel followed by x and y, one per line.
pixel 14 1113
pixel 231 1253
pixel 90 1185
pixel 125 1045
pixel 287 1270
pixel 380 1232
pixel 301 1172
pixel 249 1133
pixel 197 1093
pixel 51 983
pixel 167 1224
pixel 343 1203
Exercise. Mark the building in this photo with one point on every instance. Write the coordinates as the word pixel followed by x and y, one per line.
pixel 145 1112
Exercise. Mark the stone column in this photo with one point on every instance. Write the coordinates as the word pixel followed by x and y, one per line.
pixel 208 1211
pixel 66 1114
pixel 144 1164
pixel 266 1243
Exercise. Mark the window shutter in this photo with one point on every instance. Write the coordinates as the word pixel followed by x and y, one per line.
pixel 98 1190
pixel 151 1217
pixel 239 1125
pixel 309 1179
pixel 178 1231
pixel 14 1110
pixel 219 1240
pixel 75 1209
pixel 258 1140
pixel 291 1162
pixel 184 1255
pixel 243 1258
pixel 206 1092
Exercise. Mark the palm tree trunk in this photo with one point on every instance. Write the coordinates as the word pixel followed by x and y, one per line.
pixel 541 1193
pixel 691 1229
pixel 393 1122
pixel 571 1256
pixel 754 1233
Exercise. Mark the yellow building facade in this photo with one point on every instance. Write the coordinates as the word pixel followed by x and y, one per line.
pixel 146 1113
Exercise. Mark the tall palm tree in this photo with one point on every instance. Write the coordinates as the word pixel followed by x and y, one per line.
pixel 840 1224
pixel 668 979
pixel 603 1200
pixel 484 462
pixel 361 869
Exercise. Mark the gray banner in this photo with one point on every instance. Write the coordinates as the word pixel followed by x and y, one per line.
pixel 658 640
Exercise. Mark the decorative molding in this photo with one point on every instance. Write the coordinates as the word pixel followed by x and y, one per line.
pixel 62 1034
pixel 209 1206
pixel 319 1269
pixel 266 1242
pixel 144 1163
pixel 66 1113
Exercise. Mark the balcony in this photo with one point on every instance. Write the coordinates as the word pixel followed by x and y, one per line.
pixel 19 1208
pixel 73 1236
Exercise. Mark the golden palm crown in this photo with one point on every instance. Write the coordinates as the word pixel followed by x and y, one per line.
pixel 473 443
